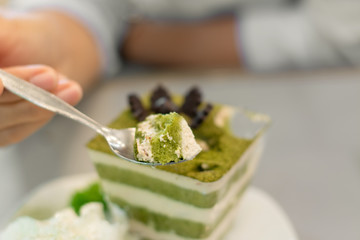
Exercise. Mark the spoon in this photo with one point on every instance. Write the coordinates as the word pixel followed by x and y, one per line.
pixel 121 141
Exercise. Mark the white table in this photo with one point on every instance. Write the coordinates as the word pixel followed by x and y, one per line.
pixel 311 163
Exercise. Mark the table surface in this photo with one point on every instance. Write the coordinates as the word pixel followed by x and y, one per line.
pixel 310 165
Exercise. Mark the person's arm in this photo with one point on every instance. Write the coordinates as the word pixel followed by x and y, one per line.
pixel 206 43
pixel 261 40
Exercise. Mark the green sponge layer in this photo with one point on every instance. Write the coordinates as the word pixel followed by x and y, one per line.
pixel 181 227
pixel 168 189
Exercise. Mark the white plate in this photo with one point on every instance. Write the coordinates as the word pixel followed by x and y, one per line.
pixel 259 216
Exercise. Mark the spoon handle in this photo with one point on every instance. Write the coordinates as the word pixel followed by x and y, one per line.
pixel 46 100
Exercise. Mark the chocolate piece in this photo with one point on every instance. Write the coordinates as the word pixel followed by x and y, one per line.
pixel 161 101
pixel 164 106
pixel 201 115
pixel 136 107
pixel 191 102
pixel 159 92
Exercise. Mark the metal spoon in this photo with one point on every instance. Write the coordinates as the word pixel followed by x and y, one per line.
pixel 121 141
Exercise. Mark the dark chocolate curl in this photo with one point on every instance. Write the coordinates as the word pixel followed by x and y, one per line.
pixel 201 115
pixel 136 107
pixel 159 92
pixel 161 101
pixel 191 102
pixel 164 106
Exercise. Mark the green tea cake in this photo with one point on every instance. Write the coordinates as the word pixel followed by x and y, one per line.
pixel 164 138
pixel 191 200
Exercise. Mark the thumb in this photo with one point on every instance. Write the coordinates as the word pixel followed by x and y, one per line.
pixel 42 76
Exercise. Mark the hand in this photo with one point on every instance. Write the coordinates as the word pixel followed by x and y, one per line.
pixel 50 38
pixel 20 118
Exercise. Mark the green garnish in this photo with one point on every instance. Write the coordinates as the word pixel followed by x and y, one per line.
pixel 93 193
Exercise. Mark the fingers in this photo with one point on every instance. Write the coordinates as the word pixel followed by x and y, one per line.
pixel 46 78
pixel 19 132
pixel 41 76
pixel 20 118
pixel 21 112
pixel 69 91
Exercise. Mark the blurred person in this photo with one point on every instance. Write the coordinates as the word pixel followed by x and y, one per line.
pixel 88 39
pixel 255 35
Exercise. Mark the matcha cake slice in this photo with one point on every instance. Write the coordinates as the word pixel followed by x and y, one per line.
pixel 164 138
pixel 192 200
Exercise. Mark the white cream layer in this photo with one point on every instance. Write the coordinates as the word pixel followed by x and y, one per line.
pixel 253 152
pixel 176 209
pixel 189 146
pixel 144 144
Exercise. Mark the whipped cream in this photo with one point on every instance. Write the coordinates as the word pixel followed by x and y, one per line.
pixel 66 225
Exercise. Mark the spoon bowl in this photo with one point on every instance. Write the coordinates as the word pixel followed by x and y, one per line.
pixel 120 141
pixel 116 139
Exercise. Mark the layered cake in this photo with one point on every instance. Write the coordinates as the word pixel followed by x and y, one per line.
pixel 190 200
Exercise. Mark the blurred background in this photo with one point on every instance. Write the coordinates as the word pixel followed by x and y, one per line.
pixel 294 60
